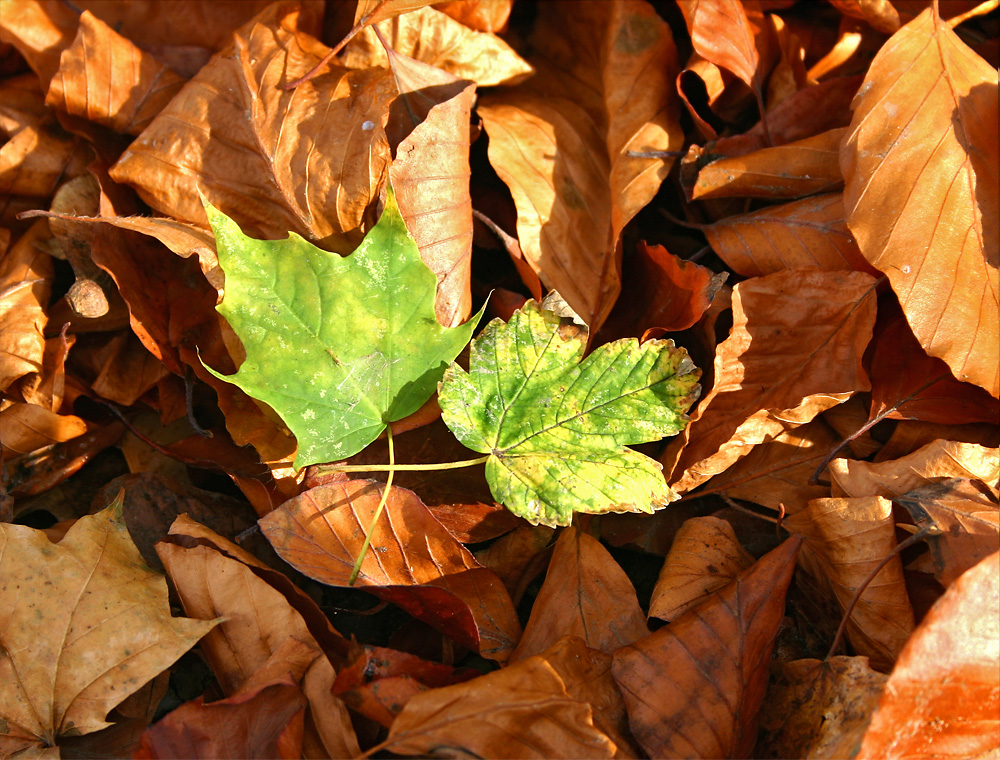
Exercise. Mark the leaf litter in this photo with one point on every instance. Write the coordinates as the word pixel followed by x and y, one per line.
pixel 843 290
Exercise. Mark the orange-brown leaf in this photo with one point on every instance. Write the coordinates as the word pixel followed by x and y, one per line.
pixel 414 562
pixel 311 160
pixel 694 687
pixel 105 78
pixel 818 709
pixel 921 195
pixel 585 594
pixel 523 711
pixel 704 557
pixel 25 285
pixel 807 233
pixel 946 677
pixel 561 142
pixel 430 176
pixel 803 167
pixel 795 350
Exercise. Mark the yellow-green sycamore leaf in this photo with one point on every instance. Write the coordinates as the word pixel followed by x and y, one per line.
pixel 556 428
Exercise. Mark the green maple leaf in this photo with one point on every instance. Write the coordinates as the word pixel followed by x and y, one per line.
pixel 338 346
pixel 557 429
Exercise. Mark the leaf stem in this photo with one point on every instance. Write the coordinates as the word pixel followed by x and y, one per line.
pixel 378 512
pixel 401 467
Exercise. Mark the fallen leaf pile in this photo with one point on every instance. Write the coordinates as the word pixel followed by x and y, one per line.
pixel 801 196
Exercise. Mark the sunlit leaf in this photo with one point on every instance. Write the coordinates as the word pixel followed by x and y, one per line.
pixel 557 429
pixel 331 345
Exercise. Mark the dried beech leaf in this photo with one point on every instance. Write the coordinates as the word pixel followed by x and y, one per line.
pixel 935 461
pixel 704 557
pixel 309 160
pixel 708 669
pixel 106 79
pixel 796 235
pixel 430 176
pixel 846 539
pixel 414 562
pixel 434 38
pixel 968 521
pixel 794 351
pixel 522 711
pixel 818 709
pixel 561 142
pixel 921 195
pixel 946 677
pixel 25 285
pixel 585 594
pixel 804 167
pixel 776 473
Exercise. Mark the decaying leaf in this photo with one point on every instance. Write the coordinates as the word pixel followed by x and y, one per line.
pixel 556 428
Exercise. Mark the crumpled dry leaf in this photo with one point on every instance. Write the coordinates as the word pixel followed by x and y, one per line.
pixel 776 473
pixel 585 594
pixel 704 557
pixel 818 710
pixel 241 152
pixel 25 286
pixel 933 461
pixel 565 157
pixel 526 710
pixel 846 539
pixel 708 669
pixel 795 350
pixel 413 563
pixel 433 37
pixel 946 677
pixel 106 79
pixel 83 624
pixel 968 521
pixel 920 165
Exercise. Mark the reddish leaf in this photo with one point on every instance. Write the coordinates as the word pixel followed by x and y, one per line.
pixel 693 688
pixel 265 721
pixel 946 677
pixel 662 293
pixel 377 682
pixel 413 562
pixel 920 387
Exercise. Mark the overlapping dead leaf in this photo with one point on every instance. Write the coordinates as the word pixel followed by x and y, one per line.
pixel 838 190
